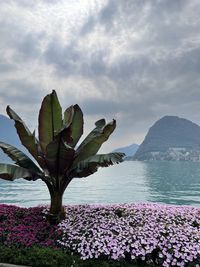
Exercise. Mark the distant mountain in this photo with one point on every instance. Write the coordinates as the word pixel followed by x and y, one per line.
pixel 8 135
pixel 171 138
pixel 128 150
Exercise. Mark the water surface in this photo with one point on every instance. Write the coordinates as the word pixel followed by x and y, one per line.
pixel 131 181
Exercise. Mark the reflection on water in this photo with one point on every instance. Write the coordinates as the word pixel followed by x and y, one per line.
pixel 174 182
pixel 166 182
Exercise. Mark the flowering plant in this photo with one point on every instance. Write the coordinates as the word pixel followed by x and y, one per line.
pixel 163 235
pixel 25 227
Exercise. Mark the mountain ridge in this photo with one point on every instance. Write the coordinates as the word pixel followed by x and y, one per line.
pixel 8 135
pixel 169 138
pixel 128 150
pixel 170 134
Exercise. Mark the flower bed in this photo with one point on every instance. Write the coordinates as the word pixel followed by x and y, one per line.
pixel 26 227
pixel 164 235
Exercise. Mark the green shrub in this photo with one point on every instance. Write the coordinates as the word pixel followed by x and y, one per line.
pixel 48 257
pixel 35 257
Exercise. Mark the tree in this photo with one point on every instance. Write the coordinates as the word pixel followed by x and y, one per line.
pixel 57 160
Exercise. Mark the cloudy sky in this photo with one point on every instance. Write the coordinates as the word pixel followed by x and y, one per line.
pixel 133 60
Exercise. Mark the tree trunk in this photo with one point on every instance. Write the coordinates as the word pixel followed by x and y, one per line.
pixel 57 212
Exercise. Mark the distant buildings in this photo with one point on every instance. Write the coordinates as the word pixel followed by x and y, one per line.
pixel 174 154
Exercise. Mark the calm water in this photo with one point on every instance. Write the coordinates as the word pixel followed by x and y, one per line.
pixel 166 182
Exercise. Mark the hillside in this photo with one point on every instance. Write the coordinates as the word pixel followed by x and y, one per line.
pixel 171 138
pixel 128 150
pixel 8 135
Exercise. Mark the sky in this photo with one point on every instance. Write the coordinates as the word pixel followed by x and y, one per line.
pixel 132 60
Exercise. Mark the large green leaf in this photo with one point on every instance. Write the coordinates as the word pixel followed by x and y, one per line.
pixel 65 134
pixel 94 140
pixel 19 157
pixel 95 132
pixel 74 116
pixel 27 138
pixel 59 157
pixel 90 165
pixel 68 115
pixel 50 119
pixel 11 172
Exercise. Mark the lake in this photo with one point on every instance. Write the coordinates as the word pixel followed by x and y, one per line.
pixel 131 181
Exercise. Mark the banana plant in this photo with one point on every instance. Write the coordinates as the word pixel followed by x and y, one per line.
pixel 56 157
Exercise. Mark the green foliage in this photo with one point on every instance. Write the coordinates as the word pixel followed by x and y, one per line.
pixel 27 138
pixel 35 257
pixel 92 143
pixel 91 164
pixel 50 119
pixel 19 157
pixel 48 257
pixel 74 116
pixel 59 149
pixel 11 172
pixel 58 160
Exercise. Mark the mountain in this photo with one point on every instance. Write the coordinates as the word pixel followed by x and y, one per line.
pixel 171 138
pixel 8 135
pixel 128 150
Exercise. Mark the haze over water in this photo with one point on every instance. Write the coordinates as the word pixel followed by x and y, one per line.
pixel 132 181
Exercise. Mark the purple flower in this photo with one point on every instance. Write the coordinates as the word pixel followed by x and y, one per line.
pixel 166 234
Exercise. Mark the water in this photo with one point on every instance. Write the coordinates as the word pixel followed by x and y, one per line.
pixel 163 182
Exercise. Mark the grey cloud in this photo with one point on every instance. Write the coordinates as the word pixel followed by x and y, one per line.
pixel 158 75
pixel 20 3
pixel 166 41
pixel 53 2
pixel 140 10
pixel 129 67
pixel 167 22
pixel 20 92
pixel 63 57
pixel 105 17
pixel 88 26
pixel 100 106
pixel 68 60
pixel 171 67
pixel 153 72
pixel 187 63
pixel 24 44
pixel 6 67
pixel 112 13
pixel 108 14
pixel 31 4
pixel 95 64
pixel 129 108
pixel 28 46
